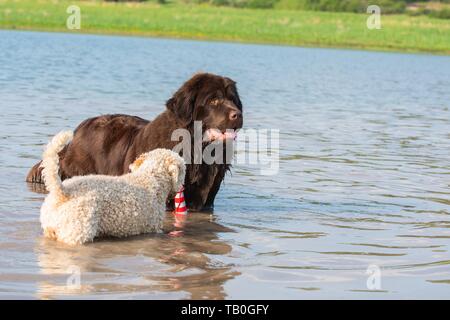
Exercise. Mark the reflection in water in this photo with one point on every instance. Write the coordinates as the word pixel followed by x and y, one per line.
pixel 141 266
pixel 36 187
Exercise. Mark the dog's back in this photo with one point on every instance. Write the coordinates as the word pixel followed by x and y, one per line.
pixel 101 206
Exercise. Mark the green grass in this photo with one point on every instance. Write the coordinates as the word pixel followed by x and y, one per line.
pixel 302 28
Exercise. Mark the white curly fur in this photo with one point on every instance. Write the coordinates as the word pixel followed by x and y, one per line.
pixel 86 207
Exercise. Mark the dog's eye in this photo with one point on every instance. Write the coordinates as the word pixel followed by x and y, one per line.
pixel 214 102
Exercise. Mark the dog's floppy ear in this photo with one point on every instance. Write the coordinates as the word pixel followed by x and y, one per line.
pixel 177 171
pixel 182 104
pixel 137 163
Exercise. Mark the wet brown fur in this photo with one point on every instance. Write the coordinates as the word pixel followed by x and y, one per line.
pixel 108 144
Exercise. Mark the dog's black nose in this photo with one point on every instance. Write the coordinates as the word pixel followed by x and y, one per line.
pixel 235 114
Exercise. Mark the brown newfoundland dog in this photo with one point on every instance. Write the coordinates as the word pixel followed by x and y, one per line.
pixel 108 144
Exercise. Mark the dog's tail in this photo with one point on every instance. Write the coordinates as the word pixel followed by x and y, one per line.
pixel 50 163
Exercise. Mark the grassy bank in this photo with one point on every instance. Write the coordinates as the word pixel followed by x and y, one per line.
pixel 303 28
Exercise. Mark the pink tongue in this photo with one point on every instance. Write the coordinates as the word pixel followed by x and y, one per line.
pixel 229 135
pixel 214 134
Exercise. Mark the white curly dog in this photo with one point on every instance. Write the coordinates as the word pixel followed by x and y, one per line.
pixel 86 207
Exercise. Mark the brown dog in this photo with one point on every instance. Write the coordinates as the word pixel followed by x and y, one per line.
pixel 108 144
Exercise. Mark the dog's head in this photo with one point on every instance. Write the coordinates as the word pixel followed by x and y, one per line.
pixel 162 161
pixel 209 98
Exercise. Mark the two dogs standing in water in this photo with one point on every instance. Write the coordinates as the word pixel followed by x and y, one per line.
pixel 109 146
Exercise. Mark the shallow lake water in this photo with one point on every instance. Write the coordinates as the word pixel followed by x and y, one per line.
pixel 359 209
